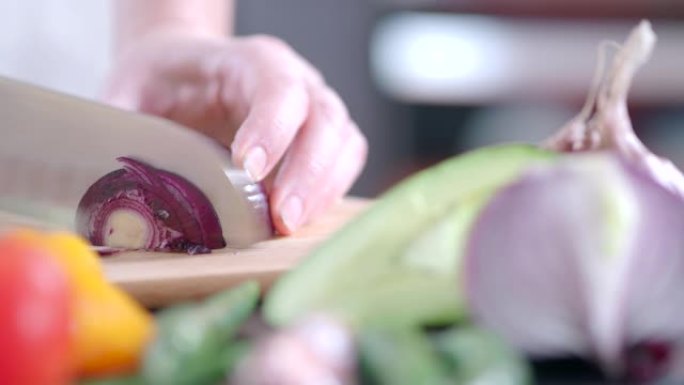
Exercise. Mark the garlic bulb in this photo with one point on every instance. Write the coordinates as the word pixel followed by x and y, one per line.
pixel 585 256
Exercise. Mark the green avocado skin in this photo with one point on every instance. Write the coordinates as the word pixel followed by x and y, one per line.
pixel 462 355
pixel 398 263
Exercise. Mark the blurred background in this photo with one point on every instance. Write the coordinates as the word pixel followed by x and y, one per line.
pixel 425 80
pixel 428 79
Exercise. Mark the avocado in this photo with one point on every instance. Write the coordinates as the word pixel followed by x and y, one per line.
pixel 477 356
pixel 457 355
pixel 399 261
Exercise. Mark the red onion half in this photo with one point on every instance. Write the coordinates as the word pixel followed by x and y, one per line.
pixel 141 207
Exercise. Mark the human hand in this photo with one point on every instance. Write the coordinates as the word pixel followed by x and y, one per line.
pixel 261 99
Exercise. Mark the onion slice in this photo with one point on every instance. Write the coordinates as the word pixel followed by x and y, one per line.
pixel 142 207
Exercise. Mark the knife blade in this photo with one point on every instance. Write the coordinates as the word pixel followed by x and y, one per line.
pixel 53 146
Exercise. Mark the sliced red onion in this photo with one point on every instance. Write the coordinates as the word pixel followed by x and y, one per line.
pixel 604 123
pixel 584 257
pixel 141 207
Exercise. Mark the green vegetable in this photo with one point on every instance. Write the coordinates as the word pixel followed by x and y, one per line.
pixel 209 371
pixel 195 342
pixel 459 355
pixel 475 356
pixel 398 356
pixel 398 263
pixel 128 380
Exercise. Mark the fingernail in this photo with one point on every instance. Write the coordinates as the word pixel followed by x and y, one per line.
pixel 255 162
pixel 291 212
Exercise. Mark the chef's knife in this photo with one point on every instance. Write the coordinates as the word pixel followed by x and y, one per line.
pixel 54 146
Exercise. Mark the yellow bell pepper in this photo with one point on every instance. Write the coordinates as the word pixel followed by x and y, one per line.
pixel 110 329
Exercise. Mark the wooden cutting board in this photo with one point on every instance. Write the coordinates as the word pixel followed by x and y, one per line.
pixel 159 279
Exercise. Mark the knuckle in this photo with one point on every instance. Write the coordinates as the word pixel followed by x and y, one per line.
pixel 313 75
pixel 360 143
pixel 332 100
pixel 316 169
pixel 286 83
pixel 330 106
pixel 270 43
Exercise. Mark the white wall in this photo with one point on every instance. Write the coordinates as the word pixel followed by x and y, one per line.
pixel 60 44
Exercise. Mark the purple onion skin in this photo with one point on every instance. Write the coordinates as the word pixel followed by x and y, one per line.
pixel 179 217
pixel 531 273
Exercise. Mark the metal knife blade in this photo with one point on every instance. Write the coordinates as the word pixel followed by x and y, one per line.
pixel 54 146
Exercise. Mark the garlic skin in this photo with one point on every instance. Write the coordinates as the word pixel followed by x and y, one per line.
pixel 604 123
pixel 525 270
pixel 584 257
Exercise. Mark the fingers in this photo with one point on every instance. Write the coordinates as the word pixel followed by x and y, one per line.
pixel 278 110
pixel 323 162
pixel 133 93
pixel 347 168
pixel 274 82
pixel 296 123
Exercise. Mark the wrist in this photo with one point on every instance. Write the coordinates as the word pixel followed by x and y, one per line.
pixel 137 20
pixel 169 31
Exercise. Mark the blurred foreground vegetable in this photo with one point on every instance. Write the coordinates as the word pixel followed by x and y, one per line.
pixel 474 356
pixel 604 125
pixel 318 350
pixel 35 315
pixel 461 355
pixel 573 247
pixel 109 329
pixel 195 342
pixel 600 259
pixel 398 262
pixel 598 263
pixel 322 350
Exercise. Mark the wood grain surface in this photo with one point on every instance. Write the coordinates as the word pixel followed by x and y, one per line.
pixel 159 279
